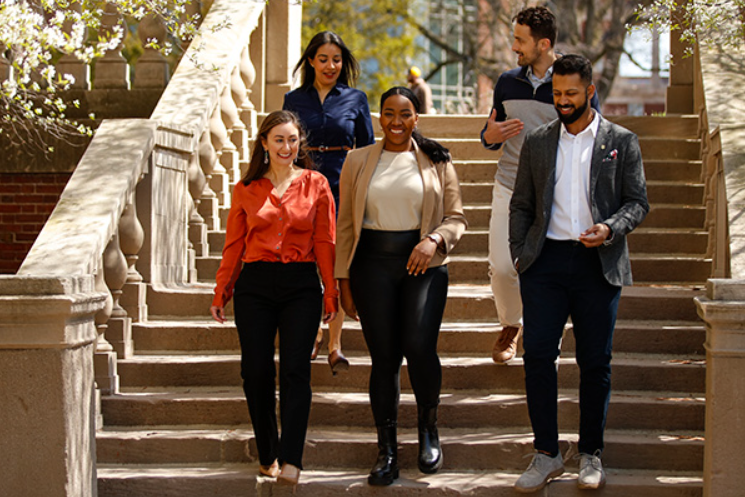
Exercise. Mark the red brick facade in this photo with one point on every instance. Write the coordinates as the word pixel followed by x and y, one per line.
pixel 26 201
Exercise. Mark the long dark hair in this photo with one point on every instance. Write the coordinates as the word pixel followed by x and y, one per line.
pixel 432 149
pixel 350 68
pixel 257 168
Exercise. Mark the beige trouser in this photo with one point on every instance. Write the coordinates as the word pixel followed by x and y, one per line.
pixel 504 281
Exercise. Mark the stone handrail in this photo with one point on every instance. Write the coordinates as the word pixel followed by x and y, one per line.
pixel 713 177
pixel 718 82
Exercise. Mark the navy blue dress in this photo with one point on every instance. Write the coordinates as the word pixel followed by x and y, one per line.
pixel 343 120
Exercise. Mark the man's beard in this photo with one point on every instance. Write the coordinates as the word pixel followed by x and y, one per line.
pixel 571 118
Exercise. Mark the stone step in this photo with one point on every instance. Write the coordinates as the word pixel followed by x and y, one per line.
pixel 630 373
pixel 470 303
pixel 463 450
pixel 226 406
pixel 660 216
pixel 673 170
pixel 665 148
pixel 470 126
pixel 475 171
pixel 688 171
pixel 658 192
pixel 242 480
pixel 653 148
pixel 646 268
pixel 675 338
pixel 475 241
pixel 679 126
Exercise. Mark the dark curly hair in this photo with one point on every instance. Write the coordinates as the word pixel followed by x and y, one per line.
pixel 541 21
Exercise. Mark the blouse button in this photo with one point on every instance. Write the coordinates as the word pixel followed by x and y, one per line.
pixel 277 247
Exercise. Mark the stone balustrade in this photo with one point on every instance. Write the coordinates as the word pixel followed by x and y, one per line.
pixel 134 214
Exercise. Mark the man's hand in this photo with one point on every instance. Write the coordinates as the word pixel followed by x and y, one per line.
pixel 501 131
pixel 595 236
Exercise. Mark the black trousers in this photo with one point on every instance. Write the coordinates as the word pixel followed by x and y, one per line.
pixel 401 317
pixel 567 280
pixel 286 297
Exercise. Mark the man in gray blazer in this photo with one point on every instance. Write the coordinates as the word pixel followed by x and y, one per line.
pixel 580 189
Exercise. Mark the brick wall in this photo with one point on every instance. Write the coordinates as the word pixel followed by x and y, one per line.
pixel 26 201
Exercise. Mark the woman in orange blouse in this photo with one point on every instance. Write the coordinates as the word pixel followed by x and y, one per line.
pixel 280 234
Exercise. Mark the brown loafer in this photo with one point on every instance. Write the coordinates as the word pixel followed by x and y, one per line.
pixel 506 345
pixel 338 362
pixel 316 348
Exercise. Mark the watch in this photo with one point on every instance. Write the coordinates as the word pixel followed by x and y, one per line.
pixel 435 237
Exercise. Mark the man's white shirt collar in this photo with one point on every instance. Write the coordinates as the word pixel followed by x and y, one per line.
pixel 592 128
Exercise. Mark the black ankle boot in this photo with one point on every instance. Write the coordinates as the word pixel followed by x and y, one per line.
pixel 386 466
pixel 430 454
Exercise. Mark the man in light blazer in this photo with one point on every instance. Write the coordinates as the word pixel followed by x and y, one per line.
pixel 580 189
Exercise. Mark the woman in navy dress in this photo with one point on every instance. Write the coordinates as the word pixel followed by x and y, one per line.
pixel 337 119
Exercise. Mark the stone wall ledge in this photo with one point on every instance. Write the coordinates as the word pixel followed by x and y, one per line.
pixel 48 312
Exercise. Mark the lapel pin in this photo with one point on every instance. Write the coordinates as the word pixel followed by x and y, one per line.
pixel 602 147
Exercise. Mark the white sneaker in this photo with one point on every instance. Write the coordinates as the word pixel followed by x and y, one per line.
pixel 591 474
pixel 541 469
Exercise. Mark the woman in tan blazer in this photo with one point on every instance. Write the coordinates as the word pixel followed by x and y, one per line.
pixel 400 215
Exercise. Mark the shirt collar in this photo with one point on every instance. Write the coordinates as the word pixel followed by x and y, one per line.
pixel 535 80
pixel 592 128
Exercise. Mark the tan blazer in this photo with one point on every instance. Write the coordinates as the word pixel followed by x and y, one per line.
pixel 442 208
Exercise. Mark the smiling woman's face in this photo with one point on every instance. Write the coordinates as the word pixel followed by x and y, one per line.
pixel 282 142
pixel 398 118
pixel 327 65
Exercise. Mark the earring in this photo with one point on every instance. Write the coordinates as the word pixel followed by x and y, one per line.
pixel 266 157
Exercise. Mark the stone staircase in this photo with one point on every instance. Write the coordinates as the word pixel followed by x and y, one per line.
pixel 180 424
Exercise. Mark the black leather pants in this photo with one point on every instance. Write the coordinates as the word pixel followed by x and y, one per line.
pixel 401 317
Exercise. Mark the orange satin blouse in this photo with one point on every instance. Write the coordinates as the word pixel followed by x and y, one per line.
pixel 298 227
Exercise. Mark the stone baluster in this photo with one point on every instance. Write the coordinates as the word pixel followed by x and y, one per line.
pixel 242 134
pixel 197 226
pixel 208 204
pixel 104 361
pixel 119 331
pixel 69 64
pixel 151 69
pixel 236 133
pixel 247 73
pixel 220 182
pixel 131 238
pixel 112 70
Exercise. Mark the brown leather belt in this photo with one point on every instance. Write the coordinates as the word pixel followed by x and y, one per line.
pixel 324 148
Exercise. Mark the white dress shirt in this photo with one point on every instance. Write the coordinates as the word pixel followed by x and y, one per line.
pixel 571 212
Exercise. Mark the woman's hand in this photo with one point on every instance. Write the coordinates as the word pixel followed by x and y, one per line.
pixel 420 256
pixel 328 317
pixel 218 313
pixel 347 302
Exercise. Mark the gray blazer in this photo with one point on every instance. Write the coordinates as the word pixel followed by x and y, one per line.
pixel 618 195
